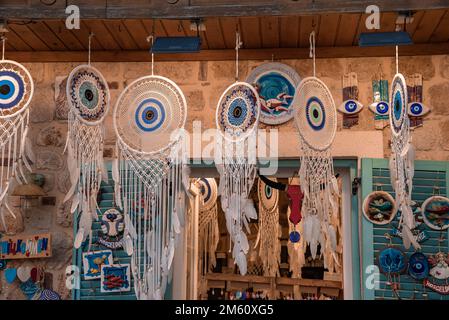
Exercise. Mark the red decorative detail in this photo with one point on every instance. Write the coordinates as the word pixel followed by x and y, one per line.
pixel 441 289
pixel 295 196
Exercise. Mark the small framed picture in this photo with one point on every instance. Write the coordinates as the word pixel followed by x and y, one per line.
pixel 115 278
pixel 93 261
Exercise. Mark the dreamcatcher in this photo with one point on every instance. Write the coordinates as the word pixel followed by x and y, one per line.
pixel 149 118
pixel 209 233
pixel 237 119
pixel 16 92
pixel 268 236
pixel 88 98
pixel 402 157
pixel 316 119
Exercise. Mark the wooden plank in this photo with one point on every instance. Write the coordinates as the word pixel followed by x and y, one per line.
pixel 103 35
pixel 308 24
pixel 193 33
pixel 228 26
pixel 289 32
pixel 347 30
pixel 47 36
pixel 138 32
pixel 250 32
pixel 269 29
pixel 427 26
pixel 15 41
pixel 82 34
pixel 328 30
pixel 26 246
pixel 173 28
pixel 441 33
pixel 70 41
pixel 214 34
pixel 229 54
pixel 119 9
pixel 29 37
pixel 121 35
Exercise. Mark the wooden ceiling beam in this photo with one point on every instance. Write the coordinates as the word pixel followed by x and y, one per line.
pixel 144 9
pixel 229 54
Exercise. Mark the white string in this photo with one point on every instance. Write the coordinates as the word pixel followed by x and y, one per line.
pixel 238 44
pixel 397 60
pixel 90 43
pixel 151 40
pixel 312 50
pixel 3 47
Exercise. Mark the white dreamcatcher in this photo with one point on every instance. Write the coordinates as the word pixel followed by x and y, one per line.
pixel 268 236
pixel 88 99
pixel 316 119
pixel 237 118
pixel 16 92
pixel 149 119
pixel 208 229
pixel 402 157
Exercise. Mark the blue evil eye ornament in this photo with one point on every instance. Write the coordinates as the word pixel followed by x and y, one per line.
pixel 381 108
pixel 2 264
pixel 315 113
pixel 392 260
pixel 276 85
pixel 16 88
pixel 209 193
pixel 418 266
pixel 417 109
pixel 238 111
pixel 294 236
pixel 88 94
pixel 350 107
pixel 47 294
pixel 268 197
pixel 398 110
pixel 150 115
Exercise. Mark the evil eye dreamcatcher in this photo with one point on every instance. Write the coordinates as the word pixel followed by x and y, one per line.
pixel 402 157
pixel 16 92
pixel 209 233
pixel 237 120
pixel 149 117
pixel 268 236
pixel 88 98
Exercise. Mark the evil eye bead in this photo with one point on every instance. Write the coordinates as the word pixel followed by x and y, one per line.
pixel 11 89
pixel 150 115
pixel 294 237
pixel 350 107
pixel 417 109
pixel 316 116
pixel 238 111
pixel 380 108
pixel 268 192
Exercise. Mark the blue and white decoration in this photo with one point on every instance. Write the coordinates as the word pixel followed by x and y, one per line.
pixel 276 85
pixel 350 107
pixel 115 278
pixel 381 108
pixel 150 115
pixel 16 92
pixel 88 99
pixel 92 262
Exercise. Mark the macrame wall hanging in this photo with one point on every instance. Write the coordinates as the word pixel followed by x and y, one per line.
pixel 380 106
pixel 416 109
pixel 88 98
pixel 237 119
pixel 351 106
pixel 316 120
pixel 402 157
pixel 269 228
pixel 209 233
pixel 149 119
pixel 16 92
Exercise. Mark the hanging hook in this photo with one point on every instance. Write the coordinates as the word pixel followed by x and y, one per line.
pixel 90 45
pixel 238 44
pixel 3 38
pixel 312 50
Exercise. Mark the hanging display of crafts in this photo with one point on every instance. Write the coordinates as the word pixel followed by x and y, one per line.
pixel 316 120
pixel 16 92
pixel 402 158
pixel 112 227
pixel 379 207
pixel 419 234
pixel 418 266
pixel 435 212
pixel 416 109
pixel 268 236
pixel 380 106
pixel 115 278
pixel 350 107
pixel 208 230
pixel 439 272
pixel 148 118
pixel 88 98
pixel 92 262
pixel 237 119
pixel 276 85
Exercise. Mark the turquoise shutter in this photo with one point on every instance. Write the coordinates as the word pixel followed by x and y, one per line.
pixel 376 176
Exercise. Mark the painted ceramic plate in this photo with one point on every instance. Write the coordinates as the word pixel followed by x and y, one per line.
pixel 276 84
pixel 268 196
pixel 418 266
pixel 391 260
pixel 16 88
pixel 149 114
pixel 435 212
pixel 315 113
pixel 88 94
pixel 399 104
pixel 238 111
pixel 379 207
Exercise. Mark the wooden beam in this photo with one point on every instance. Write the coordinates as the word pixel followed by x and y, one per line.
pixel 144 9
pixel 219 55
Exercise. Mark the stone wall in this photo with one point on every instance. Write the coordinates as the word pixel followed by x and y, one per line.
pixel 202 82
